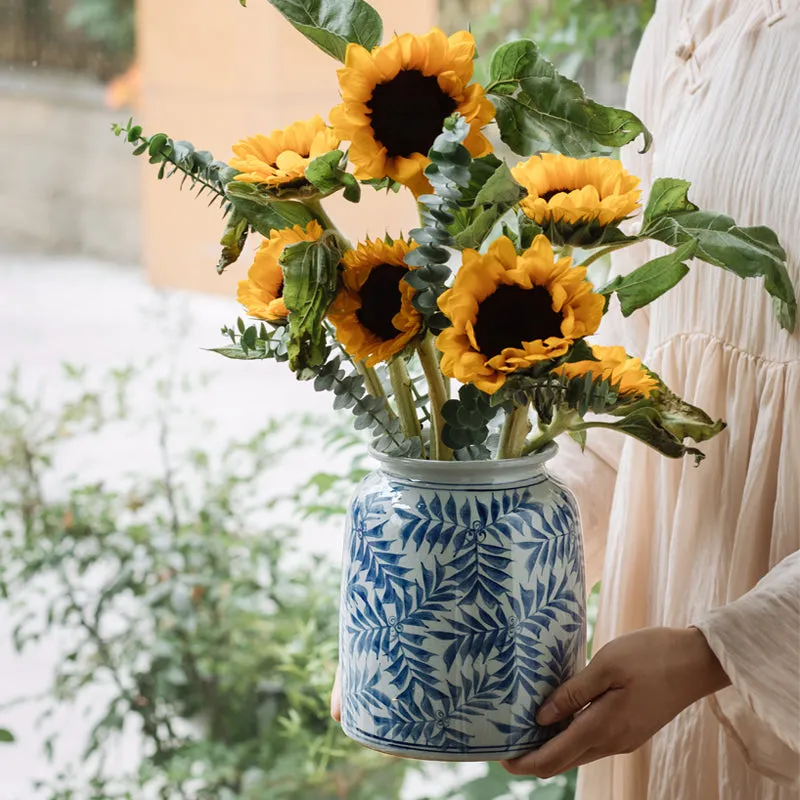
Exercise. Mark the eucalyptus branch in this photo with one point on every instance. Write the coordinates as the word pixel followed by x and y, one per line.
pixel 512 436
pixel 437 393
pixel 198 166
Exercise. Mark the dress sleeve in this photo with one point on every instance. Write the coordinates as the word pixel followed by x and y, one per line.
pixel 757 641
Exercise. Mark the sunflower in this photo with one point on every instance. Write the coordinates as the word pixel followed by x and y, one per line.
pixel 279 160
pixel 397 97
pixel 510 312
pixel 575 200
pixel 615 366
pixel 373 314
pixel 262 291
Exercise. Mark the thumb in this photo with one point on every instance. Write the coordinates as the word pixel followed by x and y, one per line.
pixel 574 695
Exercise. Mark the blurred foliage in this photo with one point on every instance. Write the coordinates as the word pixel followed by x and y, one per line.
pixel 185 599
pixel 189 605
pixel 107 23
pixel 592 41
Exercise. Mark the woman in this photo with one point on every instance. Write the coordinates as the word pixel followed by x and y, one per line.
pixel 718 83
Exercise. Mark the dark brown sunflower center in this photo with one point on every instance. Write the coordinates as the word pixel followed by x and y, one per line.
pixel 380 300
pixel 408 112
pixel 513 315
pixel 548 196
pixel 279 293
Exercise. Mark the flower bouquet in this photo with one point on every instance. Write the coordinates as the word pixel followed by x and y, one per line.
pixel 464 349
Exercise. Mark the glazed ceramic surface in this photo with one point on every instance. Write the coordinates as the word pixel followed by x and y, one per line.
pixel 463 607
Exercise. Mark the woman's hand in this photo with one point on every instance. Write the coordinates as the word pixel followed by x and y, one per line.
pixel 632 688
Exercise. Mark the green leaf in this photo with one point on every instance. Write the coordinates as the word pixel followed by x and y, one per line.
pixel 500 189
pixel 746 252
pixel 539 109
pixel 579 437
pixel 333 24
pixel 681 419
pixel 311 276
pixel 640 287
pixel 471 228
pixel 238 354
pixel 387 183
pixel 492 191
pixel 264 214
pixel 667 196
pixel 327 174
pixel 480 171
pixel 6 737
pixel 233 239
pixel 645 424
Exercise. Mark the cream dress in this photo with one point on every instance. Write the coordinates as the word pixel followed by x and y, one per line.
pixel 718 83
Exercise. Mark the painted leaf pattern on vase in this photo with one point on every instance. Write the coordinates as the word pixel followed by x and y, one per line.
pixel 462 609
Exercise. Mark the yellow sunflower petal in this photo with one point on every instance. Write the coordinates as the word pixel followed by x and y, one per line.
pixel 585 194
pixel 614 365
pixel 361 342
pixel 486 284
pixel 281 157
pixel 356 120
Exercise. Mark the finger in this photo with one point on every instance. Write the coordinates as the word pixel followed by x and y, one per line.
pixel 336 697
pixel 559 753
pixel 574 695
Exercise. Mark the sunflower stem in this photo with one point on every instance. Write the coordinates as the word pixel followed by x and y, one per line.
pixel 604 252
pixel 372 382
pixel 437 395
pixel 315 206
pixel 564 420
pixel 515 429
pixel 401 387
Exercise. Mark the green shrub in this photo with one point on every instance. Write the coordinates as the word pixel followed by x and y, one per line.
pixel 191 603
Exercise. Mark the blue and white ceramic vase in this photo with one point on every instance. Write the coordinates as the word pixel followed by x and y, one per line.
pixel 463 607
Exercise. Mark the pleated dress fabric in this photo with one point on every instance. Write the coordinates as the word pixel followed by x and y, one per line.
pixel 718 84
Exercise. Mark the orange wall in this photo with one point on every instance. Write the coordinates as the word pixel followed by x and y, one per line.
pixel 213 72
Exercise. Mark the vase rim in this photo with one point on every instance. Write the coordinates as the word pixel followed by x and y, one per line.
pixel 466 472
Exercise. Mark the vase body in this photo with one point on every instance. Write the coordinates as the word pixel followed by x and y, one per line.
pixel 463 607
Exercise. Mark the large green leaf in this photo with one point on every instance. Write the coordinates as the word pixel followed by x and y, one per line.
pixel 667 196
pixel 664 421
pixel 333 24
pixel 500 188
pixel 492 191
pixel 640 287
pixel 264 214
pixel 645 424
pixel 539 109
pixel 6 737
pixel 310 281
pixel 683 420
pixel 746 252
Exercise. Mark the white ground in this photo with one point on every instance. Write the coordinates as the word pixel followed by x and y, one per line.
pixel 62 310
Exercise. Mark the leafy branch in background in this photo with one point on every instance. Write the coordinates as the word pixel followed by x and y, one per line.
pixel 226 651
pixel 109 23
